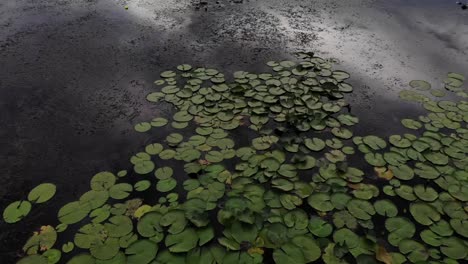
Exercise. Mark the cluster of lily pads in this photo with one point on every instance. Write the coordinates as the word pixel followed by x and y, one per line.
pixel 265 167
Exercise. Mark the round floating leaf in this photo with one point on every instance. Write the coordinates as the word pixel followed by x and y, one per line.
pixel 402 172
pixel 425 193
pixel 399 141
pixel 263 143
pixel 184 67
pixel 460 226
pixel 321 202
pixel 159 122
pixel 416 252
pixel 53 256
pixel 42 240
pixel 426 171
pixel 182 116
pixel 174 138
pixel 361 209
pixel 400 228
pixel 436 158
pixel 342 133
pixel 94 199
pixel 406 192
pixel 310 249
pixel 346 237
pixel 164 173
pixel 103 181
pixel 190 155
pixel 144 167
pixel 182 242
pixel 454 248
pixel 141 252
pixel 42 193
pixel 288 253
pixel 431 238
pixel 143 127
pixel 142 185
pixel 168 74
pixel 154 149
pixel 73 212
pixel 166 185
pixel 386 208
pixel 375 159
pixel 424 213
pixel 214 156
pixel 16 211
pixel 105 250
pixel 442 228
pixel 374 142
pixel 82 258
pixel 34 259
pixel 420 85
pixel 394 158
pixel 149 226
pixel 166 154
pixel 319 227
pixel 120 191
pixel 411 124
pixel 119 226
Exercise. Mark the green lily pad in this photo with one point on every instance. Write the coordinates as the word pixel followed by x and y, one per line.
pixel 424 213
pixel 346 237
pixel 460 226
pixel 361 209
pixel 320 202
pixel 16 211
pixel 120 191
pixel 342 133
pixel 142 185
pixel 411 124
pixel 103 181
pixel 375 159
pixel 263 143
pixel 44 239
pixel 420 85
pixel 164 173
pixel 319 227
pixel 53 256
pixel 158 122
pixel 454 248
pixel 400 228
pixel 425 193
pixel 42 193
pixel 416 252
pixel 141 252
pixel 402 172
pixel 166 185
pixel 386 208
pixel 142 127
pixel 314 144
pixel 73 212
pixel 374 142
pixel 182 242
pixel 33 259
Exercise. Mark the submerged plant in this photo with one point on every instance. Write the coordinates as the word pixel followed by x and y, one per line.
pixel 261 169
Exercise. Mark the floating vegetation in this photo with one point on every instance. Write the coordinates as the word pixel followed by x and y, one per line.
pixel 259 168
pixel 19 209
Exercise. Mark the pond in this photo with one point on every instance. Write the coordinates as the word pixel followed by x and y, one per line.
pixel 266 167
pixel 249 148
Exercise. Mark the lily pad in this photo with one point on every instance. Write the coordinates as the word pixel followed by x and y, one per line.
pixel 42 193
pixel 16 211
pixel 424 213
